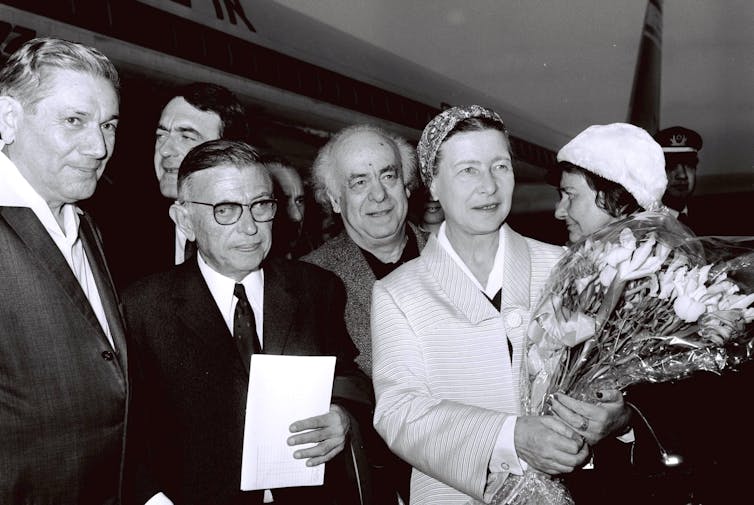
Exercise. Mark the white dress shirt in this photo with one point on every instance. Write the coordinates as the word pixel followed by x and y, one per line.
pixel 15 191
pixel 180 246
pixel 222 287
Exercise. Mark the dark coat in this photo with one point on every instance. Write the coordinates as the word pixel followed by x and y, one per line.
pixel 192 385
pixel 154 232
pixel 63 391
pixel 705 419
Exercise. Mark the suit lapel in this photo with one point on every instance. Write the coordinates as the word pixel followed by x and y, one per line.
pixel 197 309
pixel 281 303
pixel 464 294
pixel 43 249
pixel 95 256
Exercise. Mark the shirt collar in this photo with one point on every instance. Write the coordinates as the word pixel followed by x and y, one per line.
pixel 221 286
pixel 17 192
pixel 495 279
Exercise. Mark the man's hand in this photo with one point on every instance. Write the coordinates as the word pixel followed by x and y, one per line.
pixel 549 445
pixel 609 415
pixel 328 431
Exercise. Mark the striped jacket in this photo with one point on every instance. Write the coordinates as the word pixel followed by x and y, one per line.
pixel 442 374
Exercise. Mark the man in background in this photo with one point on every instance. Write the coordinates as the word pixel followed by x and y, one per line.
pixel 366 175
pixel 63 384
pixel 681 147
pixel 290 240
pixel 196 113
pixel 705 402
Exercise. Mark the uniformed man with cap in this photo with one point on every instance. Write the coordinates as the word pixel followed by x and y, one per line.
pixel 680 146
pixel 702 417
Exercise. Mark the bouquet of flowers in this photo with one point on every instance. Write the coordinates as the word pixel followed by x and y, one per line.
pixel 642 300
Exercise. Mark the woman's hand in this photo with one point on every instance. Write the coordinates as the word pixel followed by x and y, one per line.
pixel 549 445
pixel 607 416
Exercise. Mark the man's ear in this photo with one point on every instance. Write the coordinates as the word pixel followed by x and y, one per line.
pixel 334 203
pixel 10 115
pixel 181 217
pixel 408 191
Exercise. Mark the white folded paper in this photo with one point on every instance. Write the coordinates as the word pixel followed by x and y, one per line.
pixel 282 389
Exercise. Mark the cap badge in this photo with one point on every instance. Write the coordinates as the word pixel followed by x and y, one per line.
pixel 678 140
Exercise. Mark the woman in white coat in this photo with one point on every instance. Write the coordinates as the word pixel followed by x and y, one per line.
pixel 448 329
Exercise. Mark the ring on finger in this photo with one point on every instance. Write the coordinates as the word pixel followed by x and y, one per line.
pixel 584 424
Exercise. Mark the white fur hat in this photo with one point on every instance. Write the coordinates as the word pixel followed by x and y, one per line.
pixel 624 154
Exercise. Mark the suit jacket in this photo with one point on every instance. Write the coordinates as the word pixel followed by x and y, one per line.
pixel 155 235
pixel 139 242
pixel 442 374
pixel 192 385
pixel 63 391
pixel 342 256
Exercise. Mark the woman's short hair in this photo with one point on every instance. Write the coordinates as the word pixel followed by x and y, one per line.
pixel 610 196
pixel 24 75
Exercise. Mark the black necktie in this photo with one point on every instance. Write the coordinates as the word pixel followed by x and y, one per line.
pixel 496 301
pixel 244 326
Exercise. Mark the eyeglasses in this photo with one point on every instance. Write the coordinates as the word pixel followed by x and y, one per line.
pixel 227 213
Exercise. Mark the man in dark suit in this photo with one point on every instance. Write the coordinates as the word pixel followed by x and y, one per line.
pixel 366 174
pixel 63 386
pixel 195 113
pixel 189 348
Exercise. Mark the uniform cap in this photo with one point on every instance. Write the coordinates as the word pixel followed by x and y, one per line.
pixel 678 139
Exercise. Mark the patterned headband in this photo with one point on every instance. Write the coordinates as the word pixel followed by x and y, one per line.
pixel 437 129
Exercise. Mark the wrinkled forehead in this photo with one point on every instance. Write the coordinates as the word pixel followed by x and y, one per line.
pixel 74 88
pixel 366 151
pixel 231 182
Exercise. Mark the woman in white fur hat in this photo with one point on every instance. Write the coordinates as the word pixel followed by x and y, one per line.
pixel 606 173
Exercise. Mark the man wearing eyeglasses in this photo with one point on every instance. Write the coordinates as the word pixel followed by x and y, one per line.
pixel 193 349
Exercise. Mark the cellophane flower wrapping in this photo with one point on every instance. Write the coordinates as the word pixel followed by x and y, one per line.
pixel 642 300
